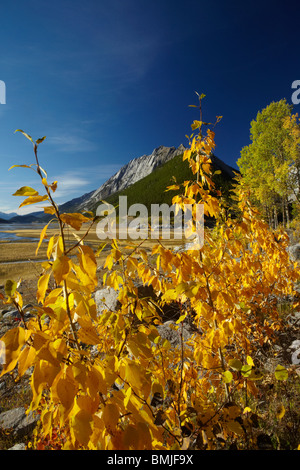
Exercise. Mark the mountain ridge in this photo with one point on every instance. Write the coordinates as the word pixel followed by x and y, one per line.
pixel 136 170
pixel 133 171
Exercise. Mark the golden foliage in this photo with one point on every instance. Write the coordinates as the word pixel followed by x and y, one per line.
pixel 111 381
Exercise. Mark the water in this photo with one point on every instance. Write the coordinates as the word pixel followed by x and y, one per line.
pixel 13 236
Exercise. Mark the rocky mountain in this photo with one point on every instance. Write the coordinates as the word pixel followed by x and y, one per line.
pixel 132 172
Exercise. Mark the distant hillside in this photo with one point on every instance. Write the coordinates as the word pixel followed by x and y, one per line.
pixel 7 216
pixel 151 189
pixel 132 172
pixel 143 180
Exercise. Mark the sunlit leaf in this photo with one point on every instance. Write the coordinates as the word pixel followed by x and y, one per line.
pixel 33 200
pixel 74 220
pixel 281 373
pixel 280 412
pixel 13 342
pixel 10 288
pixel 42 237
pixel 227 376
pixel 25 134
pixel 42 287
pixel 26 191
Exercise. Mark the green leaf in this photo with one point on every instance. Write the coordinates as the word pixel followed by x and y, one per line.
pixel 246 370
pixel 281 373
pixel 227 376
pixel 26 191
pixel 10 288
pixel 25 134
pixel 235 364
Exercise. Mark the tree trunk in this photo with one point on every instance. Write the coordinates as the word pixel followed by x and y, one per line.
pixel 287 213
pixel 275 218
pixel 283 212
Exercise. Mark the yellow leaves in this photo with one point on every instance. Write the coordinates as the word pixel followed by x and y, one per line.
pixel 13 341
pixel 75 220
pixel 136 377
pixel 132 265
pixel 235 427
pixel 95 381
pixel 42 236
pixel 173 187
pixel 114 280
pixel 10 288
pixel 131 437
pixel 82 426
pixel 133 375
pixel 26 191
pixel 43 376
pixel 87 332
pixel 215 289
pixel 110 416
pixel 33 200
pixel 64 391
pixel 61 268
pixel 42 287
pixel 88 266
pixel 281 373
pixel 26 359
pixel 196 125
pixel 49 210
pixel 280 411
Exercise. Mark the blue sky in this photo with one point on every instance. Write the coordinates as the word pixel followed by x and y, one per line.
pixel 108 81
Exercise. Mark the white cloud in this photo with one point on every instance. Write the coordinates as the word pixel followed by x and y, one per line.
pixel 71 184
pixel 71 143
pixel 75 183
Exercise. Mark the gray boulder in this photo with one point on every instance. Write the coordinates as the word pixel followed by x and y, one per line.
pixel 106 299
pixel 294 251
pixel 172 332
pixel 20 446
pixel 18 422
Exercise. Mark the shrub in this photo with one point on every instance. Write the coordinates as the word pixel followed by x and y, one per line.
pixel 112 382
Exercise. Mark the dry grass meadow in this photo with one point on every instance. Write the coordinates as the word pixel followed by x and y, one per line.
pixel 18 259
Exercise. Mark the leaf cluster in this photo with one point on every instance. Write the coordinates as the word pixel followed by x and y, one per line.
pixel 111 381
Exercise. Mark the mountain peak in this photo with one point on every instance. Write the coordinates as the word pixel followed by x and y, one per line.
pixel 132 172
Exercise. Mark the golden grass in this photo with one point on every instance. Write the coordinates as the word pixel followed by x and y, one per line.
pixel 18 258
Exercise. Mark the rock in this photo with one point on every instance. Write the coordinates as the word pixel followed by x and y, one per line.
pixel 295 356
pixel 11 315
pixel 133 171
pixel 106 299
pixel 17 421
pixel 294 251
pixel 20 446
pixel 170 331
